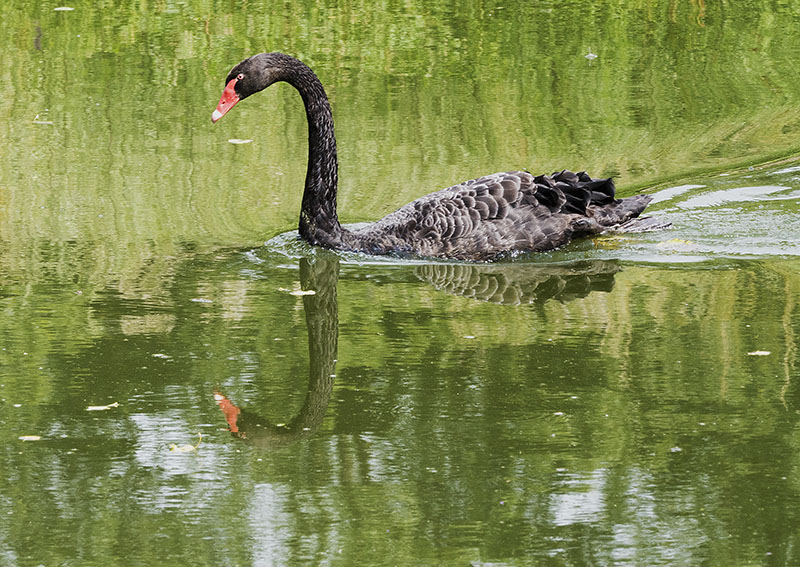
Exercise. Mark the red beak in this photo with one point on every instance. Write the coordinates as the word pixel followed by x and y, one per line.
pixel 227 101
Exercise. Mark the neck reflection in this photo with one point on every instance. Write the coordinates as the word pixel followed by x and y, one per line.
pixel 319 275
pixel 507 284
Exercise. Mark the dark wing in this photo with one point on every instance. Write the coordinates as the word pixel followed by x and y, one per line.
pixel 484 218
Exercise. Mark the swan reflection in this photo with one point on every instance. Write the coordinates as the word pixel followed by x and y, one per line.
pixel 515 284
pixel 508 284
pixel 322 320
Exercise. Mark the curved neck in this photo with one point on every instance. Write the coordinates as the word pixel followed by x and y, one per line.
pixel 319 223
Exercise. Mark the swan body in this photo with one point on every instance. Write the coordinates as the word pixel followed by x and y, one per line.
pixel 482 219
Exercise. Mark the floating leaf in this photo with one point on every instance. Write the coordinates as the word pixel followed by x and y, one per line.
pixel 298 292
pixel 186 448
pixel 103 408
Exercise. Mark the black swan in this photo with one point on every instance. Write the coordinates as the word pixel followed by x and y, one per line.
pixel 479 220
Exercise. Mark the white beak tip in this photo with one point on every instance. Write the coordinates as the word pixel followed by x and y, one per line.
pixel 216 115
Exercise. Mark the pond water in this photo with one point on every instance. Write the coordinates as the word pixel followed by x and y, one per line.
pixel 182 380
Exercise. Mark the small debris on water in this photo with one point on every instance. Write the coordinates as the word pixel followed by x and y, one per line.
pixel 759 353
pixel 677 244
pixel 201 300
pixel 298 292
pixel 63 9
pixel 102 408
pixel 239 141
pixel 186 448
pixel 30 438
pixel 591 56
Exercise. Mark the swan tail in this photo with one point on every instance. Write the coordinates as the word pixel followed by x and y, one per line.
pixel 623 215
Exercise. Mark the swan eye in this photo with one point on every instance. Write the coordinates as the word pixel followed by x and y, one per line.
pixel 240 76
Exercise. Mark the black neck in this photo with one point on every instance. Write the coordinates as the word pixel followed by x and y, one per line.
pixel 319 223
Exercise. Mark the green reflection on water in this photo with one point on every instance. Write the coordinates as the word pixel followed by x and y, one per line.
pixel 615 413
pixel 546 411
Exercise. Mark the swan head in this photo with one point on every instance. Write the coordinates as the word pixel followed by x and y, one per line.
pixel 252 75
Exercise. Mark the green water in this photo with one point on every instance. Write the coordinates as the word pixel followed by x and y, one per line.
pixel 623 401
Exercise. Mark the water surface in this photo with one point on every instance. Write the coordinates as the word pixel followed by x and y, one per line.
pixel 172 391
